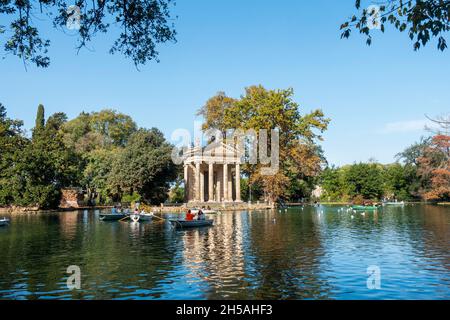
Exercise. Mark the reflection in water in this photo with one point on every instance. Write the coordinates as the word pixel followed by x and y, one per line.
pixel 311 253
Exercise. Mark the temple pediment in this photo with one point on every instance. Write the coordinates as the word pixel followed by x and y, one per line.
pixel 219 152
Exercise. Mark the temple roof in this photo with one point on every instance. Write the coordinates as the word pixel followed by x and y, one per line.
pixel 217 152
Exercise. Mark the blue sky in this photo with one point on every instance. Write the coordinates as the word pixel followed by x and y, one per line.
pixel 376 96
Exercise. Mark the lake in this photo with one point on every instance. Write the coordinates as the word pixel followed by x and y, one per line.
pixel 307 253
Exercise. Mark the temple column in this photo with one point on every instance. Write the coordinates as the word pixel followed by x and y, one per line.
pixel 186 183
pixel 225 182
pixel 218 187
pixel 230 185
pixel 211 182
pixel 202 186
pixel 238 182
pixel 197 181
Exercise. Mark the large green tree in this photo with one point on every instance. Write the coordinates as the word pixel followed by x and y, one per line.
pixel 40 167
pixel 12 142
pixel 139 26
pixel 400 181
pixel 105 129
pixel 144 166
pixel 263 109
pixel 98 138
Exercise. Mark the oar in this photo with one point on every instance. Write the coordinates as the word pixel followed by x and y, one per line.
pixel 162 219
pixel 123 219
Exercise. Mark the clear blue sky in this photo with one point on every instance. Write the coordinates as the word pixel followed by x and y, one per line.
pixel 376 96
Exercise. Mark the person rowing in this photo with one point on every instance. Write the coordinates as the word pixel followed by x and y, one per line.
pixel 201 215
pixel 189 216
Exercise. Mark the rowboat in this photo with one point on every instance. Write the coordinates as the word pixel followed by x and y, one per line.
pixel 402 203
pixel 146 216
pixel 191 223
pixel 112 216
pixel 4 222
pixel 358 208
pixel 141 217
pixel 135 217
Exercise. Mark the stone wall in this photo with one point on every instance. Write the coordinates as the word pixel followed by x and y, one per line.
pixel 71 198
pixel 231 206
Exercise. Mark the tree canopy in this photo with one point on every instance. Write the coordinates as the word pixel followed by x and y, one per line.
pixel 423 20
pixel 103 153
pixel 422 174
pixel 142 25
pixel 262 109
pixel 144 166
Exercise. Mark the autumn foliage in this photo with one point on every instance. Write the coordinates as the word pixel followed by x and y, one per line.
pixel 434 166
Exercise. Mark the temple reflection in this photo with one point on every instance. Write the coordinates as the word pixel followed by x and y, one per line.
pixel 261 253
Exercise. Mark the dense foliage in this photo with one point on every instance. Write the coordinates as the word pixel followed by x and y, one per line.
pixel 370 181
pixel 423 20
pixel 141 26
pixel 107 156
pixel 35 170
pixel 103 153
pixel 424 174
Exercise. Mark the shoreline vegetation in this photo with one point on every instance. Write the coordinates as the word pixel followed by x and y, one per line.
pixel 100 159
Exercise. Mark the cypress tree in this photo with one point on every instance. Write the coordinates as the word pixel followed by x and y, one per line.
pixel 40 118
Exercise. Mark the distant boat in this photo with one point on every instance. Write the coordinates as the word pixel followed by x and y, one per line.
pixel 359 208
pixel 112 216
pixel 4 222
pixel 191 223
pixel 402 203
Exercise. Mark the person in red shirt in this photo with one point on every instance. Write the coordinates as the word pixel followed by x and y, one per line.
pixel 190 216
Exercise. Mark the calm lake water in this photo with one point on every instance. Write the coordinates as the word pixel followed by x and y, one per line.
pixel 298 254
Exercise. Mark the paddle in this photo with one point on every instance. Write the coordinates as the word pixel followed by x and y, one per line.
pixel 123 219
pixel 161 219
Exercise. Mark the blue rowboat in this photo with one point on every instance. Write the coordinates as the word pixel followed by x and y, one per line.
pixel 181 223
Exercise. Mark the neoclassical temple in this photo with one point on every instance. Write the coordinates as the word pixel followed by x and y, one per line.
pixel 212 174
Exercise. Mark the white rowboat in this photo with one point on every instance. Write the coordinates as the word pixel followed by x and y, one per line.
pixel 142 217
pixel 4 222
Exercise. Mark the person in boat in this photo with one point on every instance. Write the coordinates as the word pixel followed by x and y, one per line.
pixel 201 215
pixel 136 211
pixel 189 216
pixel 114 210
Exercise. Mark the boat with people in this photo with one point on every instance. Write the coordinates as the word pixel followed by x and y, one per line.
pixel 183 223
pixel 4 222
pixel 116 214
